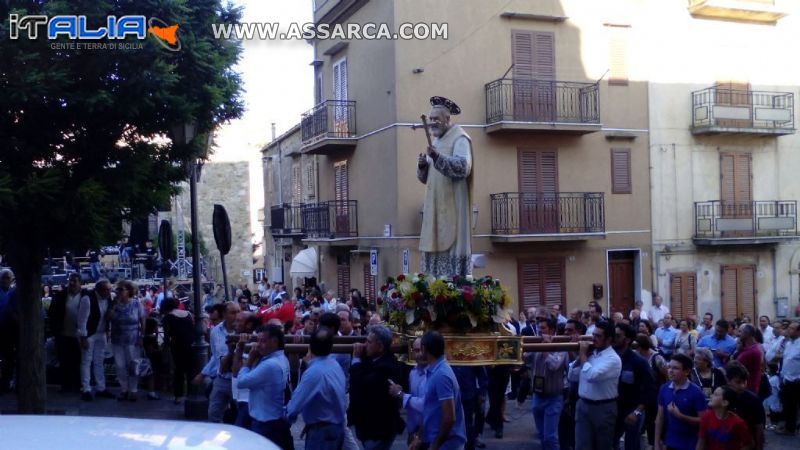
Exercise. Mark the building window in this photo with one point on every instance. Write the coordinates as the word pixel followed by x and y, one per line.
pixel 542 283
pixel 297 184
pixel 618 43
pixel 683 294
pixel 738 291
pixel 311 176
pixel 621 182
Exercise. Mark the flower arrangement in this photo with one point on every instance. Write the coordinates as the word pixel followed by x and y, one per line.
pixel 414 301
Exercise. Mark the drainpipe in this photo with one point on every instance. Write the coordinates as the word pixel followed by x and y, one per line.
pixel 774 252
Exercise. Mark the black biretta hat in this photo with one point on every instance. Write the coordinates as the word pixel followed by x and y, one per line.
pixel 447 103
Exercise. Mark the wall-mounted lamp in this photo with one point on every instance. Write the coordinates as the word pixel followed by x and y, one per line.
pixel 418 70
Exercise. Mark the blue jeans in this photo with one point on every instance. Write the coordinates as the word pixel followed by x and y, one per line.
pixel 95 267
pixel 327 437
pixel 546 414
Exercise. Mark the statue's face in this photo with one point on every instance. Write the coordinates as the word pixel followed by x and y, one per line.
pixel 439 122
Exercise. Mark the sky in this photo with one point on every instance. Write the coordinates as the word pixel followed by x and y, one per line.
pixel 278 83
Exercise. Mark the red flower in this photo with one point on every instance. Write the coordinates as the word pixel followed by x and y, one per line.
pixel 417 296
pixel 440 298
pixel 383 288
pixel 468 296
pixel 394 295
pixel 379 301
pixel 401 277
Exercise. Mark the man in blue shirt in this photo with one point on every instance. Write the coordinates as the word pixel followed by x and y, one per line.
pixel 266 375
pixel 680 403
pixel 443 416
pixel 666 335
pixel 320 395
pixel 720 343
pixel 413 400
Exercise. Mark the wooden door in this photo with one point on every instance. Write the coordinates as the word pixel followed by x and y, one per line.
pixel 533 57
pixel 683 294
pixel 538 187
pixel 542 283
pixel 738 291
pixel 736 190
pixel 621 285
pixel 341 207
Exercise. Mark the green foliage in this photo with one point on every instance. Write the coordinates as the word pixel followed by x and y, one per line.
pixel 83 132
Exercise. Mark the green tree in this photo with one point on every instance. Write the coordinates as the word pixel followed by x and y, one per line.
pixel 84 137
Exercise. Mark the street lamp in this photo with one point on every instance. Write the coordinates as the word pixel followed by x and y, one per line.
pixel 196 405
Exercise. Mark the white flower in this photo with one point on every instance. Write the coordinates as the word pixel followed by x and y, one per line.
pixel 415 280
pixel 469 278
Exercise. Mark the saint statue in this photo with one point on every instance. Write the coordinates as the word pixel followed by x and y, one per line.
pixel 445 169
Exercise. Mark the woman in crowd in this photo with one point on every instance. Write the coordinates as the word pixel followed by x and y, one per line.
pixel 126 316
pixel 646 328
pixel 704 374
pixel 178 334
pixel 685 343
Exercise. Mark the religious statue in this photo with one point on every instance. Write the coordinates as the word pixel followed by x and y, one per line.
pixel 445 169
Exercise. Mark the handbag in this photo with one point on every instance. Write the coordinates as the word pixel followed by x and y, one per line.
pixel 140 367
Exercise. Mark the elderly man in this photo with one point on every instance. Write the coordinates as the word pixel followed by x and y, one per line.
pixel 63 317
pixel 92 329
pixel 373 411
pixel 720 343
pixel 447 211
pixel 9 323
pixel 666 335
pixel 657 311
pixel 221 391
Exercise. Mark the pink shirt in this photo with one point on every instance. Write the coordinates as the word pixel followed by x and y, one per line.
pixel 751 358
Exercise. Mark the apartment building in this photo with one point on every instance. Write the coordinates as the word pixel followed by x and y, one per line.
pixel 557 110
pixel 724 155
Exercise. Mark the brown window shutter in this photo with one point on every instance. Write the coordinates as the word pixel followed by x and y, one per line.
pixel 621 182
pixel 729 292
pixel 528 170
pixel 341 184
pixel 343 280
pixel 691 294
pixel 538 170
pixel 369 284
pixel 542 283
pixel 747 291
pixel 618 55
pixel 727 163
pixel 522 54
pixel 676 295
pixel 683 294
pixel 544 56
pixel 736 190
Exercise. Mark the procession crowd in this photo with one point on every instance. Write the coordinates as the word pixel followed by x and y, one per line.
pixel 645 379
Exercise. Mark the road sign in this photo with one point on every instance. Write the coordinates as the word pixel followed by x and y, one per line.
pixel 373 262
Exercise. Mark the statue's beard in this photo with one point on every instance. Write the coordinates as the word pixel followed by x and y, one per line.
pixel 437 131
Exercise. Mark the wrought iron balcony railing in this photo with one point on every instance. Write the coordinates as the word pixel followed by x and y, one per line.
pixel 716 109
pixel 542 101
pixel 331 119
pixel 331 219
pixel 717 219
pixel 286 220
pixel 548 213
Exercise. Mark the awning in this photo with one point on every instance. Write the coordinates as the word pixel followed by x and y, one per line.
pixel 304 264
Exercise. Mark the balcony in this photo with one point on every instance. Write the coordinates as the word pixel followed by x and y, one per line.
pixel 726 111
pixel 537 216
pixel 286 220
pixel 761 222
pixel 753 11
pixel 329 127
pixel 542 106
pixel 335 219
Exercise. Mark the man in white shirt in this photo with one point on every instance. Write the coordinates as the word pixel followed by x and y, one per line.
pixel 63 318
pixel 598 378
pixel 92 329
pixel 329 302
pixel 657 311
pixel 766 332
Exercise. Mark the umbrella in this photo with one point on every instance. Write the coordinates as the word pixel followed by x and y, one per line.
pixel 304 264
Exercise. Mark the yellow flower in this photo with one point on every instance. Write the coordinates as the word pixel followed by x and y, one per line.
pixel 438 287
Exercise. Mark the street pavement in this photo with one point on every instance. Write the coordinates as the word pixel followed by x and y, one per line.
pixel 519 433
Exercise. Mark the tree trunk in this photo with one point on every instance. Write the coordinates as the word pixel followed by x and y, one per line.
pixel 31 384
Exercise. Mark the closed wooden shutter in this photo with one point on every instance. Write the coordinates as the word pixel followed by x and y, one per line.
pixel 618 37
pixel 538 185
pixel 369 284
pixel 738 95
pixel 683 294
pixel 736 191
pixel 341 184
pixel 738 291
pixel 533 58
pixel 343 280
pixel 544 60
pixel 621 182
pixel 297 184
pixel 542 283
pixel 522 54
pixel 311 180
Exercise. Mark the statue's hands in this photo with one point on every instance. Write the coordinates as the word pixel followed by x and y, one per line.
pixel 422 162
pixel 432 152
